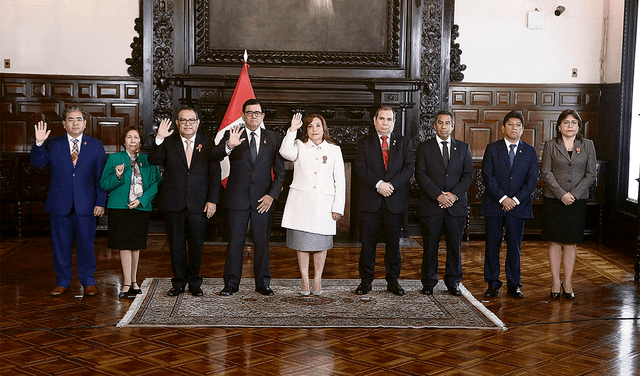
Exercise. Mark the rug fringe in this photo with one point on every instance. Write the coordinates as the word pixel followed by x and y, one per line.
pixel 490 315
pixel 136 303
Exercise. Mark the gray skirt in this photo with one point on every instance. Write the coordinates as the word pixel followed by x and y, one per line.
pixel 307 241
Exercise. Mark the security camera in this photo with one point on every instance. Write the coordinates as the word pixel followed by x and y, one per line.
pixel 559 10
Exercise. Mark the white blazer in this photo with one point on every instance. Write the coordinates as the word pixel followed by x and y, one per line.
pixel 318 186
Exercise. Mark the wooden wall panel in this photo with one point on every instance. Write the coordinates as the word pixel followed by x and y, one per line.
pixel 480 108
pixel 113 103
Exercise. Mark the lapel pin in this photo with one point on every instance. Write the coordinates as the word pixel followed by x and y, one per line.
pixel 265 141
pixel 394 142
pixel 324 159
pixel 578 150
pixel 199 148
pixel 84 143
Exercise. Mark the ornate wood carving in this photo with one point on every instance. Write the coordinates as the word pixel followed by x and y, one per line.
pixel 456 67
pixel 430 64
pixel 163 51
pixel 391 58
pixel 135 61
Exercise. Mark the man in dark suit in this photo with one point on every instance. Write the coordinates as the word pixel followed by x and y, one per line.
pixel 188 195
pixel 444 171
pixel 510 173
pixel 255 180
pixel 384 164
pixel 75 197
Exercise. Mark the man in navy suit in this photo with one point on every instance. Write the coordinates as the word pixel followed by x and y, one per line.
pixel 75 197
pixel 444 171
pixel 255 180
pixel 384 164
pixel 188 195
pixel 510 173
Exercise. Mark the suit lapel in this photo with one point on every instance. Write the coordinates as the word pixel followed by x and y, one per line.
pixel 437 153
pixel 577 144
pixel 246 146
pixel 393 150
pixel 180 150
pixel 559 144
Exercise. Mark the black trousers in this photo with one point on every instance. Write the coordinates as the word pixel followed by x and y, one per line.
pixel 186 232
pixel 261 233
pixel 391 226
pixel 432 228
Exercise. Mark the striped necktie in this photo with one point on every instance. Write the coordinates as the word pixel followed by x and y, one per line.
pixel 75 151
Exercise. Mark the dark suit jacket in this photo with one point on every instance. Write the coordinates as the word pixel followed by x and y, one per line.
pixel 500 179
pixel 248 182
pixel 434 179
pixel 184 187
pixel 563 174
pixel 77 186
pixel 370 170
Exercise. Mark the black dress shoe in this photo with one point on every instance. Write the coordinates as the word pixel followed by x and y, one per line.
pixel 266 290
pixel 133 292
pixel 515 291
pixel 427 290
pixel 491 292
pixel 455 290
pixel 175 291
pixel 228 291
pixel 196 291
pixel 125 294
pixel 363 288
pixel 395 289
pixel 568 295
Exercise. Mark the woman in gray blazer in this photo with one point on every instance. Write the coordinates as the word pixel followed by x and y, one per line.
pixel 568 169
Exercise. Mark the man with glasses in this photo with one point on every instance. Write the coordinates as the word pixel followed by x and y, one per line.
pixel 75 197
pixel 255 179
pixel 188 195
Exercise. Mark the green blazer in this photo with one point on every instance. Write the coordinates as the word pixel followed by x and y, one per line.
pixel 119 188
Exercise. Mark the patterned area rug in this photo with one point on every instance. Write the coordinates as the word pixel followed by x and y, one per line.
pixel 337 307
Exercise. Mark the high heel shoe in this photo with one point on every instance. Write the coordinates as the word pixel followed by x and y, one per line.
pixel 305 293
pixel 124 294
pixel 133 291
pixel 554 295
pixel 568 295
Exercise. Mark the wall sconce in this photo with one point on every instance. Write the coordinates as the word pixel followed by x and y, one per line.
pixel 559 10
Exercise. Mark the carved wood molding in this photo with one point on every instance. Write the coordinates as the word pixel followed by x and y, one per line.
pixel 391 58
pixel 456 67
pixel 430 66
pixel 163 65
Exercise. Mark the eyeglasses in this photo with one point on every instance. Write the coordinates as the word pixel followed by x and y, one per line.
pixel 188 121
pixel 570 122
pixel 254 113
pixel 73 120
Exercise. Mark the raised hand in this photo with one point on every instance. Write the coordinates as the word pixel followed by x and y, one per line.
pixel 234 136
pixel 296 122
pixel 119 170
pixel 41 132
pixel 163 129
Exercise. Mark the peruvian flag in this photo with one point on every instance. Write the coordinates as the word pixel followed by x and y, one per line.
pixel 233 116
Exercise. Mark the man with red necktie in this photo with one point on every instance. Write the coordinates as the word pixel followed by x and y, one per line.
pixel 384 164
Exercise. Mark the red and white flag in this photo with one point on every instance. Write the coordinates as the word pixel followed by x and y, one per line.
pixel 233 116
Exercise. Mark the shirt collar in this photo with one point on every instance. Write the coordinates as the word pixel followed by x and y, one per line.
pixel 311 145
pixel 509 143
pixel 257 132
pixel 193 139
pixel 440 140
pixel 79 138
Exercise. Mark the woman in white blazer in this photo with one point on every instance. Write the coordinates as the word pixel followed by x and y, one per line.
pixel 316 196
pixel 568 169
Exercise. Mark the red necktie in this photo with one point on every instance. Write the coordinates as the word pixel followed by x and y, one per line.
pixel 385 151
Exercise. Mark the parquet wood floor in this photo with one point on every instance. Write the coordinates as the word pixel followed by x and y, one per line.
pixel 596 334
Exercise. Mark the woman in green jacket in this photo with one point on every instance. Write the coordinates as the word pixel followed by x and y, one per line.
pixel 132 183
